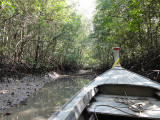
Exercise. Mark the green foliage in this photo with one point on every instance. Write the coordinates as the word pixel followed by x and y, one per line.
pixel 50 33
pixel 42 33
pixel 131 24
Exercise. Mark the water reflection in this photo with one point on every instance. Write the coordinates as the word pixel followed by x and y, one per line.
pixel 43 104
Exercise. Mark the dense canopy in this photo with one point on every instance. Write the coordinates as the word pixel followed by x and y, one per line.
pixel 50 34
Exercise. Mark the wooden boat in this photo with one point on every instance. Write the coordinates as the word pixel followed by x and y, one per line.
pixel 117 94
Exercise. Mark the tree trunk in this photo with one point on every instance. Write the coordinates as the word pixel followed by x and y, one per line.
pixel 37 48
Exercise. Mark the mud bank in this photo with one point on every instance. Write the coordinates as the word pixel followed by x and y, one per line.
pixel 14 92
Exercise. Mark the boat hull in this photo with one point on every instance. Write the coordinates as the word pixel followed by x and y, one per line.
pixel 97 100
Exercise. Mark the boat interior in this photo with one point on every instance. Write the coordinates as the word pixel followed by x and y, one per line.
pixel 123 102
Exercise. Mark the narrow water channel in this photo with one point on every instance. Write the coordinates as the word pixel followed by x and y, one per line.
pixel 44 103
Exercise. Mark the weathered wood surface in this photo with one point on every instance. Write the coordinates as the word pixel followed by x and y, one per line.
pixel 106 104
pixel 116 75
pixel 123 76
pixel 73 109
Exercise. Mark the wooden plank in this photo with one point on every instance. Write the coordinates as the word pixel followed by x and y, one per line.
pixel 103 97
pixel 126 77
pixel 75 107
pixel 125 112
pixel 147 105
pixel 132 78
pixel 147 102
pixel 130 90
pixel 112 78
pixel 141 80
pixel 105 104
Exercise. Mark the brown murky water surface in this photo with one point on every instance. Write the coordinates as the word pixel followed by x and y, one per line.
pixel 44 103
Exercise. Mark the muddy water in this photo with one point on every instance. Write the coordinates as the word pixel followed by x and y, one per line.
pixel 44 103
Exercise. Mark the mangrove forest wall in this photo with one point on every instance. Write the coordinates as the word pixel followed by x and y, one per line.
pixel 40 35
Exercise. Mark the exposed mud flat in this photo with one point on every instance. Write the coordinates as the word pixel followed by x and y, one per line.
pixel 42 104
pixel 14 92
